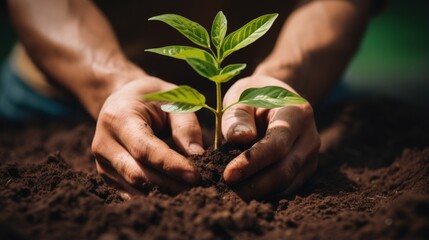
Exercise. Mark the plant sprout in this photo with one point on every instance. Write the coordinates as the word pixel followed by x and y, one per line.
pixel 207 61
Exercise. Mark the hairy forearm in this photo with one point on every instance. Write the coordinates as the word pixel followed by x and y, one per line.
pixel 73 44
pixel 315 45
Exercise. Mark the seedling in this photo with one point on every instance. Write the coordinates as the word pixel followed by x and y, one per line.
pixel 207 61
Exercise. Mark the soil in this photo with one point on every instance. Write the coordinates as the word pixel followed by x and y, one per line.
pixel 372 183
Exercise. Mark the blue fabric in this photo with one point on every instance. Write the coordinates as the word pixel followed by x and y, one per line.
pixel 20 103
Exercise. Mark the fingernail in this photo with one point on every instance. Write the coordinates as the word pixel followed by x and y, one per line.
pixel 241 134
pixel 241 129
pixel 195 149
pixel 190 177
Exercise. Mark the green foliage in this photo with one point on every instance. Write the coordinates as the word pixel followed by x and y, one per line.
pixel 192 30
pixel 185 99
pixel 219 28
pixel 228 72
pixel 183 52
pixel 247 34
pixel 269 97
pixel 207 62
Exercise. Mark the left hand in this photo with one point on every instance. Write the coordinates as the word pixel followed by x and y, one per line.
pixel 284 158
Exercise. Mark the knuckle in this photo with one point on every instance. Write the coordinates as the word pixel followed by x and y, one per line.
pixel 282 138
pixel 97 146
pixel 106 120
pixel 238 111
pixel 139 148
pixel 139 152
pixel 307 110
pixel 148 155
pixel 110 117
pixel 242 112
pixel 187 126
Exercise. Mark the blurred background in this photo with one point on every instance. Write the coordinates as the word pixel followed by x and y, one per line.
pixel 393 59
pixel 394 56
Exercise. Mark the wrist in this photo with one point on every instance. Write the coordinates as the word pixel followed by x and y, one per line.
pixel 115 73
pixel 285 70
pixel 280 71
pixel 107 77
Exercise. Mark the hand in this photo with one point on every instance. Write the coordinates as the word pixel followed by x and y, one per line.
pixel 284 158
pixel 128 153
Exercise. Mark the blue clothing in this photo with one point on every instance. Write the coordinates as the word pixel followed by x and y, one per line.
pixel 20 103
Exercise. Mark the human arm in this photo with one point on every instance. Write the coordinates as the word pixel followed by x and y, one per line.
pixel 74 45
pixel 312 50
pixel 316 44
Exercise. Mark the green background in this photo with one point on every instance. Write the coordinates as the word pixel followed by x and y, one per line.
pixel 393 58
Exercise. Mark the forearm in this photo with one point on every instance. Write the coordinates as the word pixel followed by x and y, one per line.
pixel 315 46
pixel 73 44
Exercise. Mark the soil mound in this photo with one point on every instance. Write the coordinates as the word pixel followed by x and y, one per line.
pixel 373 184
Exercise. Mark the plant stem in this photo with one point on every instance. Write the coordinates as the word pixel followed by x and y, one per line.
pixel 219 113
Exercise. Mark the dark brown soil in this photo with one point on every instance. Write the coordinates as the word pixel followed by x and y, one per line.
pixel 373 184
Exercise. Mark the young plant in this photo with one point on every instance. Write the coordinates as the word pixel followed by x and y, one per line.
pixel 207 61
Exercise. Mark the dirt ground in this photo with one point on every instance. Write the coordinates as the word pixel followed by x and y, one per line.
pixel 372 184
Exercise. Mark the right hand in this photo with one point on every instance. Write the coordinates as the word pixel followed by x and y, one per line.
pixel 128 153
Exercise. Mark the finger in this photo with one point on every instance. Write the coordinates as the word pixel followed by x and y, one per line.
pixel 113 179
pixel 186 132
pixel 309 145
pixel 131 176
pixel 284 126
pixel 298 165
pixel 238 124
pixel 307 171
pixel 137 138
pixel 270 149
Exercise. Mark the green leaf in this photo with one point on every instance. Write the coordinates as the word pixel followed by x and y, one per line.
pixel 183 52
pixel 247 34
pixel 190 29
pixel 228 72
pixel 179 107
pixel 180 99
pixel 219 28
pixel 270 97
pixel 204 68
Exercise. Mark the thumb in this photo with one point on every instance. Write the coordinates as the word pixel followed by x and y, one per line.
pixel 238 124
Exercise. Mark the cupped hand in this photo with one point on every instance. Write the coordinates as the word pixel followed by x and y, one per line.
pixel 128 152
pixel 284 157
